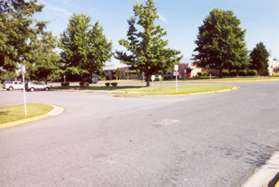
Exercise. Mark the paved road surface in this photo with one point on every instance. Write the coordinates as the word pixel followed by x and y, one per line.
pixel 203 140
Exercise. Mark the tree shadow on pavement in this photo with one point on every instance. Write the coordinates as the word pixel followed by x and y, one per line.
pixel 259 154
pixel 96 88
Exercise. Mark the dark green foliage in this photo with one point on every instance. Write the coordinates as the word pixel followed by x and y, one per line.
pixel 242 73
pixel 65 84
pixel 85 47
pixel 11 5
pixel 10 75
pixel 107 84
pixel 259 59
pixel 203 74
pixel 220 42
pixel 252 73
pixel 17 29
pixel 147 48
pixel 24 41
pixel 233 73
pixel 43 58
pixel 114 84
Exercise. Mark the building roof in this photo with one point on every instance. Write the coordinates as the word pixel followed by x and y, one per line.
pixel 114 66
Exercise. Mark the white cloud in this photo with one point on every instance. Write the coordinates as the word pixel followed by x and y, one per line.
pixel 53 8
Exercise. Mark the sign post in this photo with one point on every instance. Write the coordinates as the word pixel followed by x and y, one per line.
pixel 176 67
pixel 23 70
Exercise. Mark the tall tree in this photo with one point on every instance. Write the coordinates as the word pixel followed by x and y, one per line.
pixel 11 5
pixel 17 28
pixel 100 49
pixel 221 42
pixel 259 59
pixel 44 59
pixel 85 47
pixel 146 47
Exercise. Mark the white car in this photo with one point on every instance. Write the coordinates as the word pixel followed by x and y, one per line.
pixel 13 85
pixel 33 86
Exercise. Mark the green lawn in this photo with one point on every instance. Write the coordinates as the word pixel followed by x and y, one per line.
pixel 15 113
pixel 239 79
pixel 171 90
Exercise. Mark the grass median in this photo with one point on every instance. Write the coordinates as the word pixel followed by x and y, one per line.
pixel 171 90
pixel 243 79
pixel 16 113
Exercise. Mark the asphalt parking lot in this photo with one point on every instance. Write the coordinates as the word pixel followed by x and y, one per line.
pixel 201 140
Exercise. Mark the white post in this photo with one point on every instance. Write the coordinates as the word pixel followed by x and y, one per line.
pixel 24 91
pixel 176 82
pixel 176 68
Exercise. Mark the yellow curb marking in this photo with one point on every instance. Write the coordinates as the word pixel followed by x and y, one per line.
pixel 32 119
pixel 20 122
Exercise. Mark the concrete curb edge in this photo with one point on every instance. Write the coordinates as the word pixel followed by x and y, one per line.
pixel 264 175
pixel 198 93
pixel 57 110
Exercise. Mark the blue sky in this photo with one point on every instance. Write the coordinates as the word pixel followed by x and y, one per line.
pixel 181 19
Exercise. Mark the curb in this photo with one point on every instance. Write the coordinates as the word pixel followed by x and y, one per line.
pixel 199 93
pixel 54 112
pixel 264 176
pixel 218 91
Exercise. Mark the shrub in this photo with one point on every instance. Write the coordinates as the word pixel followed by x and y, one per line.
pixel 84 84
pixel 107 84
pixel 233 73
pixel 242 73
pixel 114 84
pixel 203 74
pixel 252 72
pixel 226 73
pixel 65 84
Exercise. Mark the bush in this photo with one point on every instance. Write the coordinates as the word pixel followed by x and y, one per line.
pixel 226 73
pixel 242 73
pixel 107 84
pixel 252 73
pixel 203 74
pixel 233 73
pixel 84 84
pixel 114 84
pixel 65 84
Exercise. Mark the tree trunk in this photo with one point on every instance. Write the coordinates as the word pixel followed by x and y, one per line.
pixel 147 80
pixel 221 72
pixel 148 83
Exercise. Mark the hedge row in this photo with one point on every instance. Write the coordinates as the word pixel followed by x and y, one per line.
pixel 233 73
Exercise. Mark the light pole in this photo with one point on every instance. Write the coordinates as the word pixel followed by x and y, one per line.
pixel 23 70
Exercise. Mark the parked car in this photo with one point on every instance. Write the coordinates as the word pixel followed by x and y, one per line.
pixel 156 78
pixel 33 86
pixel 13 85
